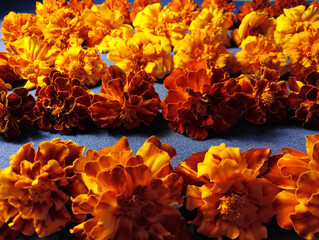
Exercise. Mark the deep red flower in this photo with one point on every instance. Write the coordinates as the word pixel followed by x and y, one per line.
pixel 62 104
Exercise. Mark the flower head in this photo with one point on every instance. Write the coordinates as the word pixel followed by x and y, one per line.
pixel 38 186
pixel 202 45
pixel 106 27
pixel 232 199
pixel 277 9
pixel 139 5
pixel 259 52
pixel 62 104
pixel 303 97
pixel 265 98
pixel 16 110
pixel 248 7
pixel 7 73
pixel 121 5
pixel 199 99
pixel 82 63
pixel 297 173
pixel 34 61
pixel 125 99
pixel 130 195
pixel 143 52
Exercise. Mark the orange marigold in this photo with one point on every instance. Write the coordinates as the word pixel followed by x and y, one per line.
pixel 233 200
pixel 106 27
pixel 259 52
pixel 188 9
pixel 34 61
pixel 16 110
pixel 143 52
pixel 302 50
pixel 82 63
pixel 277 9
pixel 297 173
pixel 213 21
pixel 6 71
pixel 255 5
pixel 62 104
pixel 19 25
pixel 202 45
pixel 38 186
pixel 139 5
pixel 125 99
pixel 303 97
pixel 123 6
pixel 198 100
pixel 265 98
pixel 161 22
pixel 296 20
pixel 130 195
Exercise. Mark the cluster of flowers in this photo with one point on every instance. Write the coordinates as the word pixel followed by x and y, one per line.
pixel 55 50
pixel 112 193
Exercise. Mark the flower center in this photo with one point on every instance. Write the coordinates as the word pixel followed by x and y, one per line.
pixel 132 207
pixel 232 205
pixel 267 98
pixel 200 110
pixel 40 193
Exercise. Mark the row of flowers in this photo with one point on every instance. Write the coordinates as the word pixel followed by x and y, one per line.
pixel 111 193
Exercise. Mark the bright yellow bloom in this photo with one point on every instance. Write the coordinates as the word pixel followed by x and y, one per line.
pixel 106 27
pixel 84 64
pixel 259 52
pixel 35 59
pixel 202 45
pixel 130 197
pixel 122 5
pixel 302 50
pixel 143 52
pixel 188 9
pixel 160 22
pixel 295 20
pixel 214 21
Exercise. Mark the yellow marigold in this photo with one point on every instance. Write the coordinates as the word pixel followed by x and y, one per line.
pixel 81 63
pixel 296 20
pixel 18 25
pixel 213 21
pixel 259 52
pixel 232 199
pixel 48 7
pixel 256 23
pixel 188 9
pixel 139 5
pixel 297 173
pixel 227 5
pixel 38 186
pixel 7 73
pixel 202 45
pixel 130 196
pixel 143 52
pixel 160 22
pixel 106 27
pixel 34 61
pixel 123 6
pixel 302 50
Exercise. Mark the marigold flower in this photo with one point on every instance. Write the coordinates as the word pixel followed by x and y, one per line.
pixel 188 9
pixel 302 51
pixel 34 61
pixel 213 21
pixel 160 22
pixel 199 99
pixel 248 7
pixel 139 5
pixel 315 4
pixel 202 45
pixel 259 52
pixel 106 27
pixel 265 98
pixel 303 97
pixel 255 23
pixel 125 99
pixel 296 20
pixel 297 173
pixel 121 5
pixel 62 104
pixel 232 200
pixel 18 25
pixel 130 195
pixel 38 186
pixel 7 73
pixel 143 52
pixel 277 9
pixel 16 110
pixel 82 63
